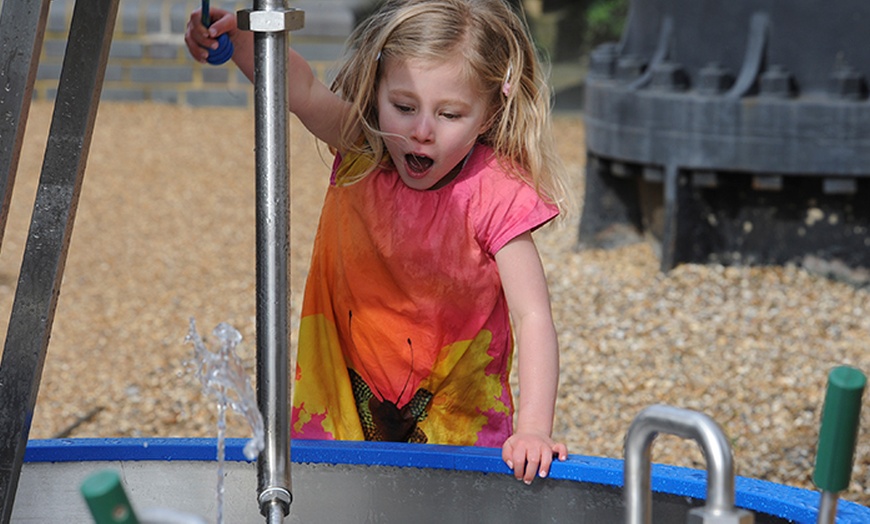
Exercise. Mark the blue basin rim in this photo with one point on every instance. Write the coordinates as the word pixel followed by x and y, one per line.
pixel 779 500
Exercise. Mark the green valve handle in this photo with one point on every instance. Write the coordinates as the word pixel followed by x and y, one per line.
pixel 839 432
pixel 107 500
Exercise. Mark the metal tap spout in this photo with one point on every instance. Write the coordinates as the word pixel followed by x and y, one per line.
pixel 717 451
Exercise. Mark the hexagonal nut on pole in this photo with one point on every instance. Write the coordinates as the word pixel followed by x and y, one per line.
pixel 708 516
pixel 275 21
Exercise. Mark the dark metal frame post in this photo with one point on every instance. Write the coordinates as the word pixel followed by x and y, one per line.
pixel 22 28
pixel 270 21
pixel 39 281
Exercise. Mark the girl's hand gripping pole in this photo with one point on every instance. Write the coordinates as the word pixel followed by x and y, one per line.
pixel 837 437
pixel 225 47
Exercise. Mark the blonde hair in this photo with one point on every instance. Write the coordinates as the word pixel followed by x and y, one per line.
pixel 500 58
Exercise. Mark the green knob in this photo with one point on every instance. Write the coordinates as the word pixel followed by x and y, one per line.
pixel 839 432
pixel 107 500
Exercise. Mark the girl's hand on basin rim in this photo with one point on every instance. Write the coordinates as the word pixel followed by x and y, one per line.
pixel 530 454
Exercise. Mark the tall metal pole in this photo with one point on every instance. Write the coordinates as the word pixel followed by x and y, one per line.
pixel 270 21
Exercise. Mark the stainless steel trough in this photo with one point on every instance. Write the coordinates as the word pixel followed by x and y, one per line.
pixel 340 482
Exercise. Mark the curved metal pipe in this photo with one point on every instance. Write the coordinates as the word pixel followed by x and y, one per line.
pixel 686 424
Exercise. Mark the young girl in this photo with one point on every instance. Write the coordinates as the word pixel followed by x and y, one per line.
pixel 444 166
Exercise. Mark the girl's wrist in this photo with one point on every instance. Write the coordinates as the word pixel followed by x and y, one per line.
pixel 545 430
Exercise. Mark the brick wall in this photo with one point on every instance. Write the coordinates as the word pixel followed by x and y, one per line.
pixel 148 60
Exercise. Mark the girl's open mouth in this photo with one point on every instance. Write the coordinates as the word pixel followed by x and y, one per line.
pixel 418 164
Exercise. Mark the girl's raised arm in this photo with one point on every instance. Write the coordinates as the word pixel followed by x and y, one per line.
pixel 530 450
pixel 320 110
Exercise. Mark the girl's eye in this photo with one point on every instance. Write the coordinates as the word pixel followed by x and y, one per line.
pixel 402 108
pixel 451 116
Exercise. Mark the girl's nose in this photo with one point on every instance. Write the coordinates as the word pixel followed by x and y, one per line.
pixel 423 130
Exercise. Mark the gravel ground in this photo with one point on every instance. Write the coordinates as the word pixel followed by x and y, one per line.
pixel 164 232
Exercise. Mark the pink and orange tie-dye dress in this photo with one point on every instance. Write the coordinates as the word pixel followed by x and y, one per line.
pixel 405 332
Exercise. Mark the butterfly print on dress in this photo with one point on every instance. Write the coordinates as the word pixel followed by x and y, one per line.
pixel 383 419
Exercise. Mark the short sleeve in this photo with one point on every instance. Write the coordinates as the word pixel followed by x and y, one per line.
pixel 508 207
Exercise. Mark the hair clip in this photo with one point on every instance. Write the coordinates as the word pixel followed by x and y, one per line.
pixel 506 86
pixel 378 58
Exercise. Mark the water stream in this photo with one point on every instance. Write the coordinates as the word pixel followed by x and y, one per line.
pixel 223 377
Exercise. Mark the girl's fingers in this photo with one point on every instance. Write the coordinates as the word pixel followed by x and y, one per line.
pixel 196 51
pixel 518 458
pixel 532 464
pixel 544 468
pixel 527 462
pixel 507 451
pixel 201 39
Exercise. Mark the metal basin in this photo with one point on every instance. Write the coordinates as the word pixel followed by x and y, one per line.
pixel 379 482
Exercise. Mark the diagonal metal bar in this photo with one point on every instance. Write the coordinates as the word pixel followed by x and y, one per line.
pixel 22 28
pixel 51 225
